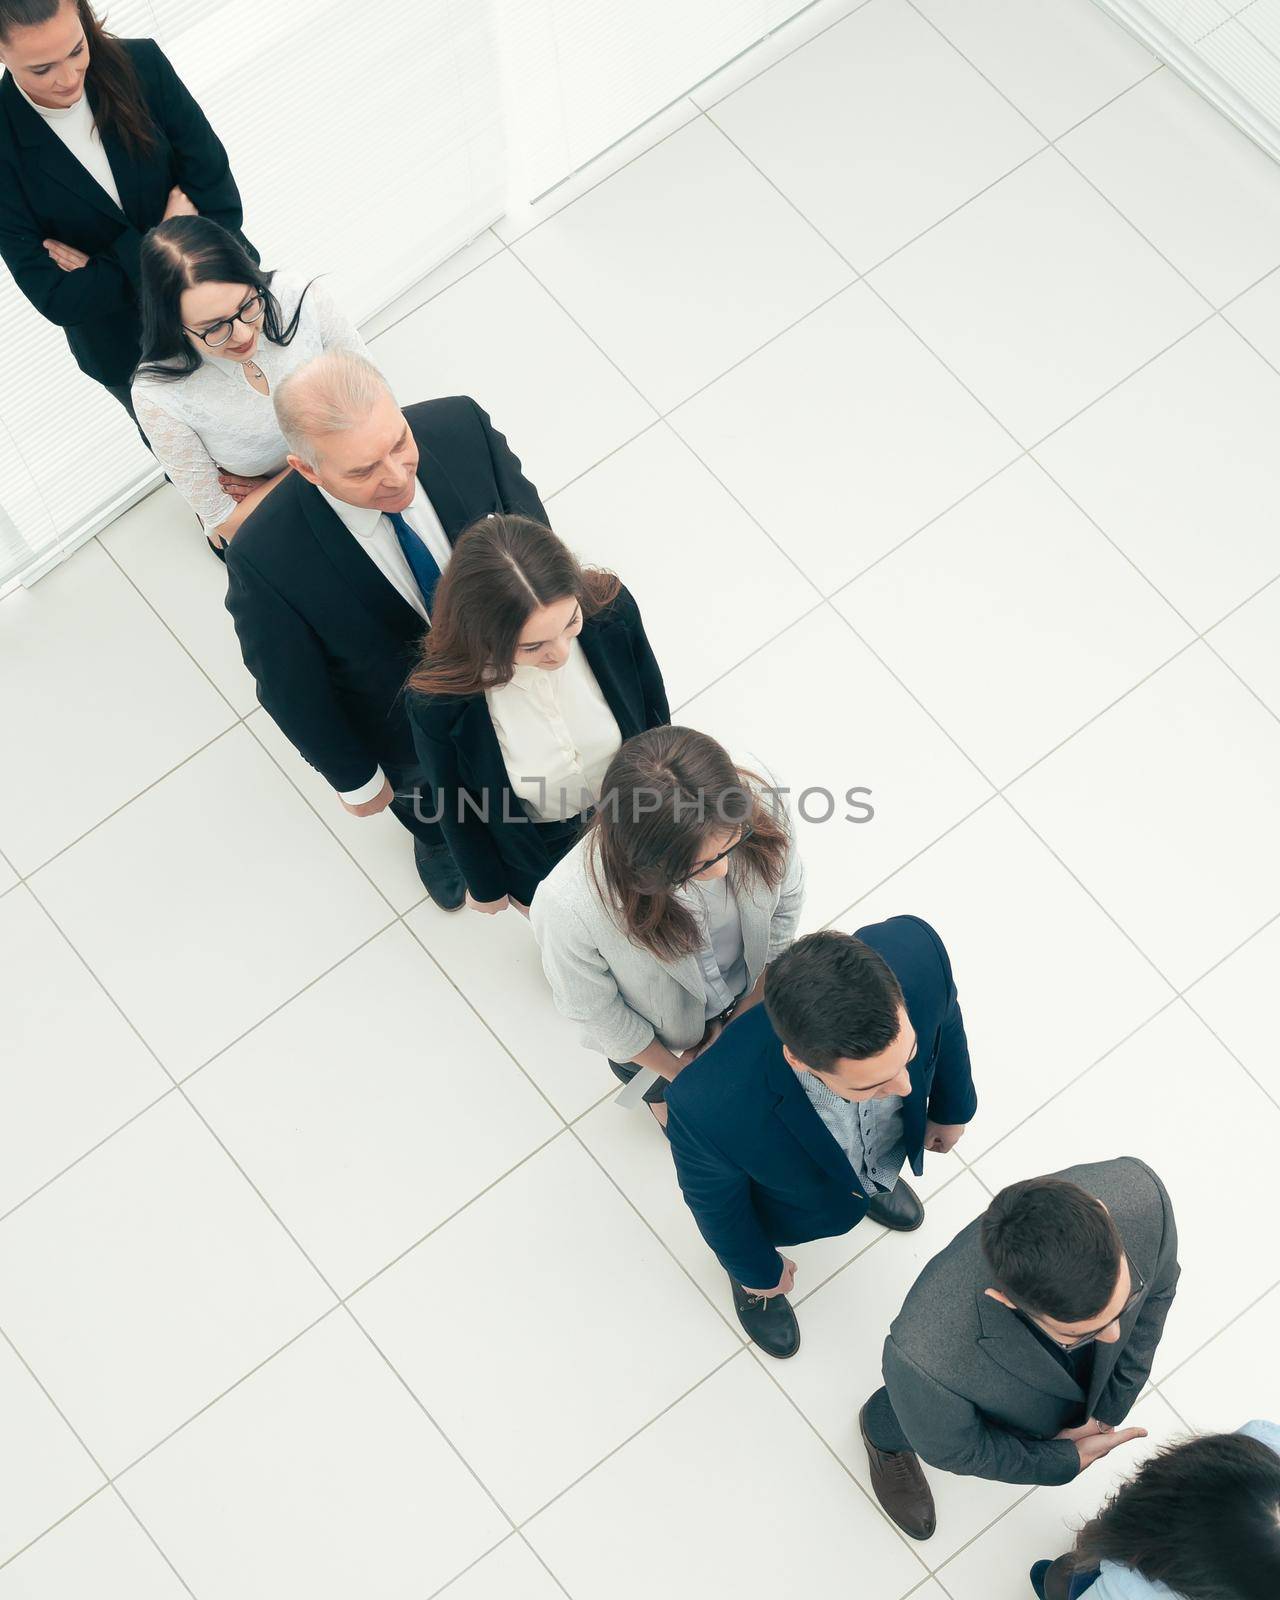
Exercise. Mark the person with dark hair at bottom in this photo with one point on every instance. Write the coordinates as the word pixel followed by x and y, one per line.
pixel 330 581
pixel 1022 1346
pixel 1199 1521
pixel 218 334
pixel 533 672
pixel 99 141
pixel 798 1121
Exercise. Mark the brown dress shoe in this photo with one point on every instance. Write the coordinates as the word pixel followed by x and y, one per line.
pixel 900 1486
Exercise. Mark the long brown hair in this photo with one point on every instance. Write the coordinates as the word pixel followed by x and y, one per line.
pixel 115 95
pixel 502 570
pixel 664 791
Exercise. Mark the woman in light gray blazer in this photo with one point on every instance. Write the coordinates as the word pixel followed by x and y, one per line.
pixel 658 925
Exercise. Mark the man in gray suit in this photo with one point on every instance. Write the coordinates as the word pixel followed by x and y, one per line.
pixel 1022 1346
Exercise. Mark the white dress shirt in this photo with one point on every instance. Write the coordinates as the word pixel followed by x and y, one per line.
pixel 377 538
pixel 557 736
pixel 75 126
pixel 215 420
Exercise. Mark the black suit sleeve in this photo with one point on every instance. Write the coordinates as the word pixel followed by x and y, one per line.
pixel 467 835
pixel 289 666
pixel 110 282
pixel 518 495
pixel 201 168
pixel 1133 1364
pixel 656 709
pixel 98 290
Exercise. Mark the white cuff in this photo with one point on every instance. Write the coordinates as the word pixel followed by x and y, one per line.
pixel 366 791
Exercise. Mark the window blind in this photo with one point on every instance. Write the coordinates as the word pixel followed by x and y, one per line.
pixel 369 153
pixel 1228 50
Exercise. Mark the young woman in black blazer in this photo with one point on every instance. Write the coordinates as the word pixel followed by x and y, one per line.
pixel 71 245
pixel 532 674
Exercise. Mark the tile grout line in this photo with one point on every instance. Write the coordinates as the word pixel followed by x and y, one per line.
pixel 401 916
pixel 155 611
pixel 1229 1324
pixel 107 1485
pixel 1054 144
pixel 845 14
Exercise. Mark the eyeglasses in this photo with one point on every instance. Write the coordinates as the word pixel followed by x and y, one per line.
pixel 249 313
pixel 699 867
pixel 1138 1289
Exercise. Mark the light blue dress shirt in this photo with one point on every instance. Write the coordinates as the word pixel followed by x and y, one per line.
pixel 870 1132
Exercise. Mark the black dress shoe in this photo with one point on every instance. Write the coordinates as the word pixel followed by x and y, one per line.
pixel 769 1323
pixel 440 876
pixel 900 1209
pixel 900 1486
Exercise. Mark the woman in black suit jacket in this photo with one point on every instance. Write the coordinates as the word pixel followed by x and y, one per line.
pixel 532 674
pixel 72 250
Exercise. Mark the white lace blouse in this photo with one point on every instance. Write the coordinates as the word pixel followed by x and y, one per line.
pixel 214 419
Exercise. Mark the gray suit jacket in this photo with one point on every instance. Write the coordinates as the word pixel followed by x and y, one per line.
pixel 975 1391
pixel 622 995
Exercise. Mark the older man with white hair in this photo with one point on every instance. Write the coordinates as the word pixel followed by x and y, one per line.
pixel 330 580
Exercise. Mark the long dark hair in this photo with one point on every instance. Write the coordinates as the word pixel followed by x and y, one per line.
pixel 178 254
pixel 663 792
pixel 115 95
pixel 1202 1517
pixel 503 568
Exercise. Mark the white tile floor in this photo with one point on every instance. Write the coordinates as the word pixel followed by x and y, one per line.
pixel 921 374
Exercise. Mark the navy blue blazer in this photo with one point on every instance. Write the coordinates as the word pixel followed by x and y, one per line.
pixel 755 1161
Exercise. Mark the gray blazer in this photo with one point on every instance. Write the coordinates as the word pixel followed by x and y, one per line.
pixel 624 996
pixel 975 1391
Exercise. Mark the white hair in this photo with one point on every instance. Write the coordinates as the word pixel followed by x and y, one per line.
pixel 326 395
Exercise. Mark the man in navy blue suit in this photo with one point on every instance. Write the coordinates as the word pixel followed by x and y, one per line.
pixel 797 1122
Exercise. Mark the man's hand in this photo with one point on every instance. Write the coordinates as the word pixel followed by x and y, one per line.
pixel 178 205
pixel 490 907
pixel 1102 1441
pixel 942 1136
pixel 380 802
pixel 69 259
pixel 1085 1430
pixel 783 1285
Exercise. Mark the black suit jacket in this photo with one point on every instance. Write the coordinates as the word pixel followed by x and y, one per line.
pixel 328 639
pixel 496 850
pixel 756 1163
pixel 978 1394
pixel 46 194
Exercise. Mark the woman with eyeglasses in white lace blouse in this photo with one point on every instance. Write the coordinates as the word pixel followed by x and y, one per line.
pixel 219 335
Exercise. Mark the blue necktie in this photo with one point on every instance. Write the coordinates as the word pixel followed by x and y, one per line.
pixel 421 562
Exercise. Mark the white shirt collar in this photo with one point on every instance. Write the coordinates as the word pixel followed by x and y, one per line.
pixel 362 521
pixel 54 113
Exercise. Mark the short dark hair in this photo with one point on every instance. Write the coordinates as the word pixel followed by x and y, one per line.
pixel 1053 1248
pixel 1202 1517
pixel 830 996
